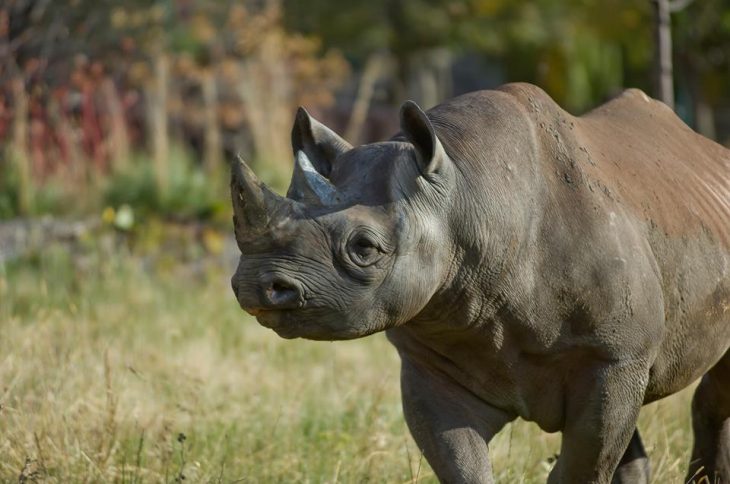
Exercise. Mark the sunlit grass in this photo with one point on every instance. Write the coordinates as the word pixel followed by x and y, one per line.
pixel 111 371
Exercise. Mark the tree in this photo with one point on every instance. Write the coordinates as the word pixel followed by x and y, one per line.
pixel 702 54
pixel 580 51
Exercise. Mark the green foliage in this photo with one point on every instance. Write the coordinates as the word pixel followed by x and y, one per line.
pixel 357 27
pixel 54 195
pixel 702 36
pixel 580 51
pixel 9 186
pixel 190 193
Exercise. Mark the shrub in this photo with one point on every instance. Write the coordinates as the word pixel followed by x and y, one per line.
pixel 188 193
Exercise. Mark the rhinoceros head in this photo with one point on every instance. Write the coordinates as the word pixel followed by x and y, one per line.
pixel 360 242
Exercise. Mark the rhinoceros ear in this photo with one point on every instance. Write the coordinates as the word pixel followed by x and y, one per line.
pixel 417 128
pixel 317 141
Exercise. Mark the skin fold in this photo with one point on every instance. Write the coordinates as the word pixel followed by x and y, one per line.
pixel 523 261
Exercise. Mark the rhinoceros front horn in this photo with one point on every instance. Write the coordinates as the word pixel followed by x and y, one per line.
pixel 253 201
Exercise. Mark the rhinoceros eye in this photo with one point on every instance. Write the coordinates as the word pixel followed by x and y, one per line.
pixel 363 250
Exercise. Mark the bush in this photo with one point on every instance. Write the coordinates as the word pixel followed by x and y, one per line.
pixel 55 195
pixel 8 190
pixel 190 193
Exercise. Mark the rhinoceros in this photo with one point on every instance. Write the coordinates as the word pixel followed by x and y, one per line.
pixel 523 261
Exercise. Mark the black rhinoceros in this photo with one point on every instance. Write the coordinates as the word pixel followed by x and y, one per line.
pixel 523 261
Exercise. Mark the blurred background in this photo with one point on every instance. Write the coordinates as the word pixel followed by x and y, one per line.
pixel 123 355
pixel 104 103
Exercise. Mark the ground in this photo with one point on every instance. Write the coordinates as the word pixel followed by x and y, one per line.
pixel 116 368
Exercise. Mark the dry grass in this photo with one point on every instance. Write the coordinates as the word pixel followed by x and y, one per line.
pixel 110 371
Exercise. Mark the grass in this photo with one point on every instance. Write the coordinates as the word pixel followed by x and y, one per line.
pixel 112 371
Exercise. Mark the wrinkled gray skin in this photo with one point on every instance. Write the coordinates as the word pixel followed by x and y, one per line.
pixel 524 262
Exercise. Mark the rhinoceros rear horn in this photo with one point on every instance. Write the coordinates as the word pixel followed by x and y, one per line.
pixel 417 128
pixel 253 202
pixel 316 147
pixel 321 145
pixel 309 186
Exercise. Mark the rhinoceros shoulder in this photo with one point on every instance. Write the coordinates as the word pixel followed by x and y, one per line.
pixel 530 96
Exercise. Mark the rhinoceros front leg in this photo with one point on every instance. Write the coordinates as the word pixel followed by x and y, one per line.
pixel 602 406
pixel 450 425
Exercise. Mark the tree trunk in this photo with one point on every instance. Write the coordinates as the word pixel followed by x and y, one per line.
pixel 19 155
pixel 705 119
pixel 267 95
pixel 371 74
pixel 117 138
pixel 429 77
pixel 212 134
pixel 68 141
pixel 702 113
pixel 157 120
pixel 663 81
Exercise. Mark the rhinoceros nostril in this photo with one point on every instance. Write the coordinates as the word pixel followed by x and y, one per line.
pixel 282 292
pixel 280 287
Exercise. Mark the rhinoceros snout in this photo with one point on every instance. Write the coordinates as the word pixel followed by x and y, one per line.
pixel 280 292
pixel 270 291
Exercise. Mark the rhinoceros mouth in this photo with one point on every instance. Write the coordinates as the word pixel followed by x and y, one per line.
pixel 277 319
pixel 287 323
pixel 263 313
pixel 309 322
pixel 257 311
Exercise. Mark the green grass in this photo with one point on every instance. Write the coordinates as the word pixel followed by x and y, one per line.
pixel 113 372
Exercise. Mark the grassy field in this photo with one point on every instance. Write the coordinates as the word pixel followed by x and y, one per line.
pixel 113 369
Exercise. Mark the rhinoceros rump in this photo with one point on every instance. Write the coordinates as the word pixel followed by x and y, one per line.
pixel 524 262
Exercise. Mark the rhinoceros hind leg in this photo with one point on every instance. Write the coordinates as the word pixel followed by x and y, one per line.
pixel 634 465
pixel 711 425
